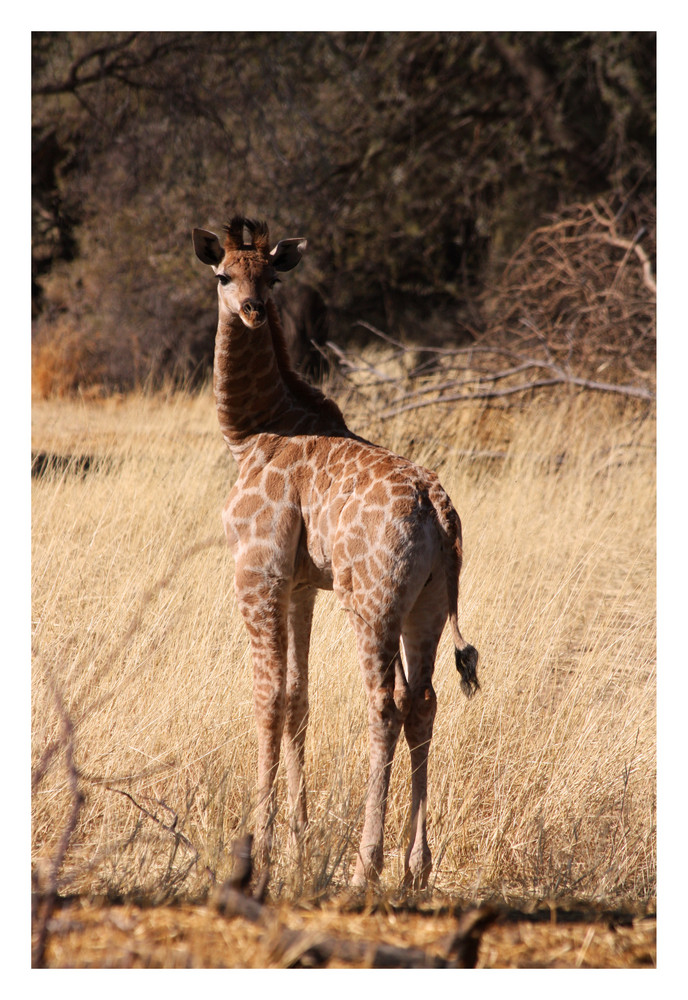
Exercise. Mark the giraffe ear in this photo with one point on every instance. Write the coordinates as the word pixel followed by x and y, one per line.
pixel 208 247
pixel 287 253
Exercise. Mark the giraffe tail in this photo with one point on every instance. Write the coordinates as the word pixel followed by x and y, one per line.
pixel 466 663
pixel 465 655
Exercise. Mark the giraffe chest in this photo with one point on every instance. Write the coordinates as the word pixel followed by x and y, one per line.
pixel 267 518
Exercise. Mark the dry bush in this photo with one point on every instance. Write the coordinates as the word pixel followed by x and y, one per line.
pixel 542 786
pixel 62 361
pixel 580 291
pixel 575 306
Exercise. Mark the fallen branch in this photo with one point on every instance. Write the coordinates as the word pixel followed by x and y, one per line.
pixel 626 390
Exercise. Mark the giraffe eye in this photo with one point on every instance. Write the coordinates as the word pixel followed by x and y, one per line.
pixel 223 279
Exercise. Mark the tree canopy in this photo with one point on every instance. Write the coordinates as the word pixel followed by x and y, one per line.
pixel 415 164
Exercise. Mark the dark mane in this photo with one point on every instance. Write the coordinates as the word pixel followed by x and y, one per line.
pixel 303 391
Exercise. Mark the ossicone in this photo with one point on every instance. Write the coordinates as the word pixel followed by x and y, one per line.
pixel 240 226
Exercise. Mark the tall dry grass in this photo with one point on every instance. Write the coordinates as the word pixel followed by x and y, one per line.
pixel 542 786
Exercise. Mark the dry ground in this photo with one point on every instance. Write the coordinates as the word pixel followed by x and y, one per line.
pixel 542 788
pixel 89 935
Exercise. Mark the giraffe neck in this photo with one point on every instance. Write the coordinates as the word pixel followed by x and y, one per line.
pixel 250 394
pixel 258 392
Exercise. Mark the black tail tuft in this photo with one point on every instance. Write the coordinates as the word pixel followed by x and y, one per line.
pixel 466 662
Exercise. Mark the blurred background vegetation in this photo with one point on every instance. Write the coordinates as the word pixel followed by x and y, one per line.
pixel 420 166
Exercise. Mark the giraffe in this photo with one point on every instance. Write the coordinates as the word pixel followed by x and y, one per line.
pixel 315 506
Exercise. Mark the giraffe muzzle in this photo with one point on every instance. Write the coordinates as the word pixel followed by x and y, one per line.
pixel 252 313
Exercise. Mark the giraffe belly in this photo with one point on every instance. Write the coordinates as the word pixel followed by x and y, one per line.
pixel 314 576
pixel 317 540
pixel 313 560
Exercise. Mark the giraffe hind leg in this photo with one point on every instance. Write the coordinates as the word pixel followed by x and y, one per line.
pixel 380 662
pixel 420 636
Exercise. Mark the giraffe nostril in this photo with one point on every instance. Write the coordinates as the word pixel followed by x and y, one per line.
pixel 251 307
pixel 253 312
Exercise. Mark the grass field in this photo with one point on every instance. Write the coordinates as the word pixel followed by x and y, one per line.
pixel 543 787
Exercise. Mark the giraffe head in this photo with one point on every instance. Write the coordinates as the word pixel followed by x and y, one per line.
pixel 246 271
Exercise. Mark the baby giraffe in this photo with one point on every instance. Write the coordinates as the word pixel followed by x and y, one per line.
pixel 317 507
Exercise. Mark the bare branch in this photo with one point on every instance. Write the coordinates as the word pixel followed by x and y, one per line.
pixel 625 390
pixel 169 827
pixel 115 60
pixel 43 902
pixel 74 79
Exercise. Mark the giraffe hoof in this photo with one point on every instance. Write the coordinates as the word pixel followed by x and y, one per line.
pixel 417 876
pixel 366 876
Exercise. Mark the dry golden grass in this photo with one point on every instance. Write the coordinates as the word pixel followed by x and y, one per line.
pixel 542 787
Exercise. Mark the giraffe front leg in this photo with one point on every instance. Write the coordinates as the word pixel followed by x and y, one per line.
pixel 269 701
pixel 296 714
pixel 263 605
